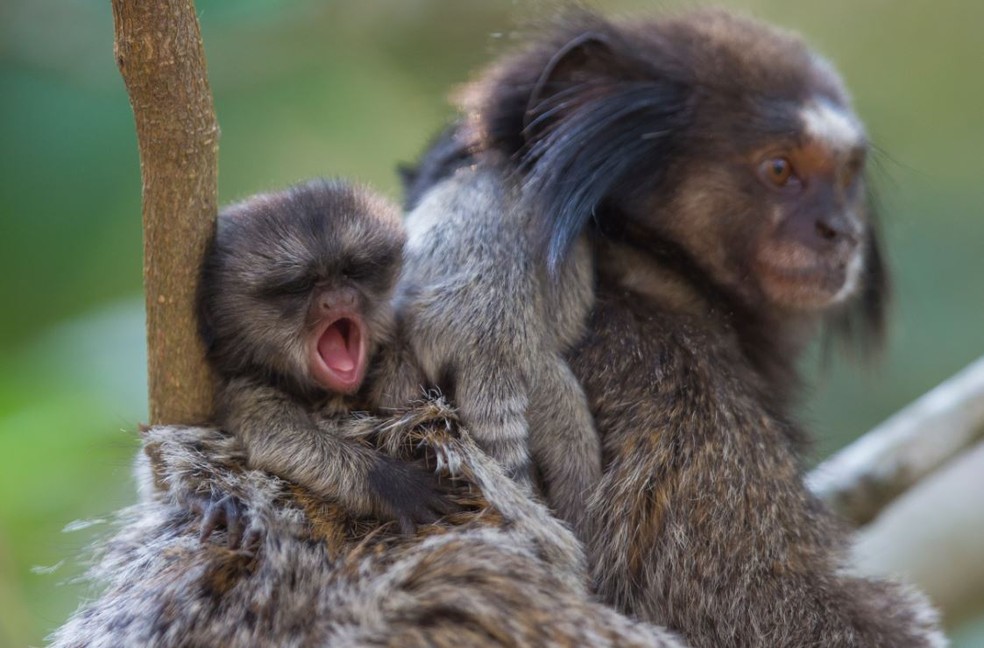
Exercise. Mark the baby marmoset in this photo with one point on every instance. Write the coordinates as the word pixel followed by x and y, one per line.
pixel 295 312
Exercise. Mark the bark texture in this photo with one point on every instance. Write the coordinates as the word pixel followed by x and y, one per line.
pixel 160 54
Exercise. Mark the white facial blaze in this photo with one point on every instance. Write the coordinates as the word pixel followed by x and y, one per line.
pixel 838 129
pixel 835 126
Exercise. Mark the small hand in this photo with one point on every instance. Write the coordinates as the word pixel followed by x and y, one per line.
pixel 226 511
pixel 409 494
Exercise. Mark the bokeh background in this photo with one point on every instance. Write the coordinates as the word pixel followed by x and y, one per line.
pixel 350 88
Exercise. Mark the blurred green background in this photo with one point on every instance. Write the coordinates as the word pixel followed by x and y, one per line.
pixel 350 88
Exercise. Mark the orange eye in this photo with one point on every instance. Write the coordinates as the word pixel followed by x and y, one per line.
pixel 776 171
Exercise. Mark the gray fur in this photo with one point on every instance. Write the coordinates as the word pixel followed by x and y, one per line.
pixel 281 267
pixel 504 573
pixel 487 325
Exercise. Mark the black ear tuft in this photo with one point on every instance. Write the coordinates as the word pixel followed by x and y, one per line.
pixel 609 146
pixel 587 113
pixel 599 123
pixel 577 57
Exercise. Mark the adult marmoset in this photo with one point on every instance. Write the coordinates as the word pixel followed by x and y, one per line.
pixel 713 169
pixel 296 313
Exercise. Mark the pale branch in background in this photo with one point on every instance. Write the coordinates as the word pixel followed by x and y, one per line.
pixel 931 536
pixel 161 57
pixel 863 478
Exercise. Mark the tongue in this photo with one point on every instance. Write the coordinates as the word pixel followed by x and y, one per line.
pixel 336 355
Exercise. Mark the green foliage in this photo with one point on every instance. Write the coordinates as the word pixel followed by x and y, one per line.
pixel 349 88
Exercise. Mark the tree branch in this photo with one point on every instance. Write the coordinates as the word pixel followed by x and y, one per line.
pixel 863 478
pixel 160 54
pixel 931 536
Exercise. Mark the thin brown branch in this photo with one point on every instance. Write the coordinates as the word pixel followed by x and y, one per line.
pixel 161 57
pixel 863 478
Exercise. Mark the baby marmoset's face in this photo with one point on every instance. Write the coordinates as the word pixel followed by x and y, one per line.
pixel 297 285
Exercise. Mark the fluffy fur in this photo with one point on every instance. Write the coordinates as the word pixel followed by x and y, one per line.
pixel 501 572
pixel 714 168
pixel 288 273
pixel 469 281
pixel 488 325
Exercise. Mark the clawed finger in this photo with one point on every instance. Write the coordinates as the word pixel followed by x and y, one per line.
pixel 225 512
pixel 234 522
pixel 210 522
pixel 215 514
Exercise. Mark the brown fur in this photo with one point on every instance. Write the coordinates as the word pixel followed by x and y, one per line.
pixel 652 141
pixel 501 572
pixel 709 529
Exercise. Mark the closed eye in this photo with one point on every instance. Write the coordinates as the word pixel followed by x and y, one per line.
pixel 355 273
pixel 297 286
pixel 364 270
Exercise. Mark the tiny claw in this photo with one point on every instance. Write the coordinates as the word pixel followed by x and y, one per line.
pixel 212 517
pixel 227 512
pixel 425 516
pixel 234 522
pixel 446 506
pixel 443 502
pixel 409 494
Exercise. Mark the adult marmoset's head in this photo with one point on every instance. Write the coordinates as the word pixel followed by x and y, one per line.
pixel 715 136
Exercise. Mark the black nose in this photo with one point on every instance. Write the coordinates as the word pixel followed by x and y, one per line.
pixel 823 233
pixel 833 228
pixel 826 232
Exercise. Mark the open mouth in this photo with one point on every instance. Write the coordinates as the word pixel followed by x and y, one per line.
pixel 340 355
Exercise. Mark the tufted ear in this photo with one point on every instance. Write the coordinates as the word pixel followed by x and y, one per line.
pixel 586 56
pixel 582 116
pixel 598 123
